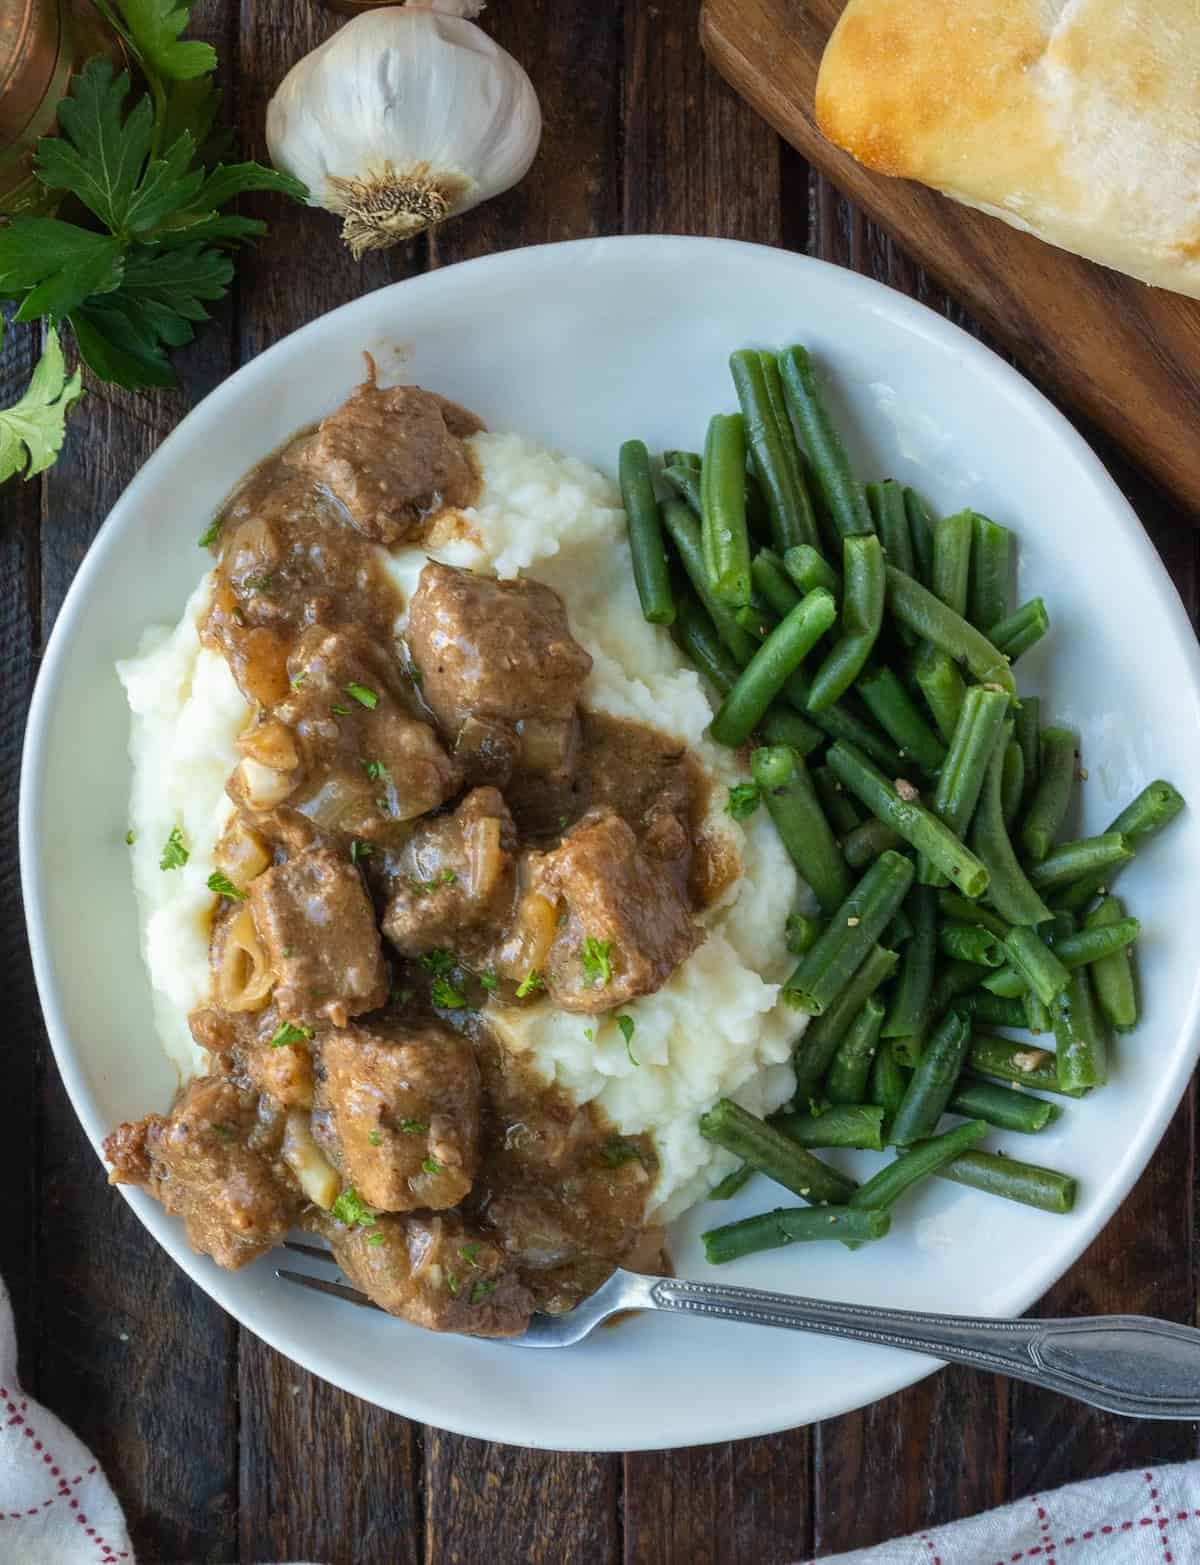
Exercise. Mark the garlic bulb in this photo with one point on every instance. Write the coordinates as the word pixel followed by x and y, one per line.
pixel 402 118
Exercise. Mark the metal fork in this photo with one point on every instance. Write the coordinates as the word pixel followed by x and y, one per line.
pixel 1129 1364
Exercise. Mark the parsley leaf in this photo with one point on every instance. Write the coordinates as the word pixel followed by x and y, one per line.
pixel 224 887
pixel 744 799
pixel 374 769
pixel 360 850
pixel 375 1137
pixel 376 1238
pixel 443 993
pixel 174 854
pixel 363 695
pixel 439 960
pixel 130 837
pixel 351 1209
pixel 615 1152
pixel 211 533
pixel 490 981
pixel 596 961
pixel 413 1127
pixel 531 982
pixel 153 27
pixel 481 1290
pixel 431 1166
pixel 290 1032
pixel 452 1284
pixel 53 266
pixel 33 429
pixel 626 1024
pixel 470 1253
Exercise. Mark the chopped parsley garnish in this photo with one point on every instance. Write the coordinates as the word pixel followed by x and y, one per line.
pixel 174 853
pixel 531 982
pixel 351 1209
pixel 615 1152
pixel 744 799
pixel 375 1137
pixel 340 711
pixel 360 850
pixel 452 1284
pixel 413 671
pixel 131 837
pixel 481 1290
pixel 470 1253
pixel 596 961
pixel 422 888
pixel 211 533
pixel 287 951
pixel 489 980
pixel 439 960
pixel 590 1034
pixel 374 769
pixel 258 583
pixel 626 1024
pixel 224 887
pixel 363 695
pixel 443 993
pixel 375 1238
pixel 399 996
pixel 224 1132
pixel 413 1127
pixel 298 679
pixel 431 1166
pixel 290 1032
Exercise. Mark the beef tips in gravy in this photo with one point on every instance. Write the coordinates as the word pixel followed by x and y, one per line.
pixel 425 829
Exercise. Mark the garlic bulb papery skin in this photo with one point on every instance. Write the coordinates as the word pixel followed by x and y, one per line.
pixel 401 119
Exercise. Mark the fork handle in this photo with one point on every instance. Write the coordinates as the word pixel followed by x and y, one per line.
pixel 1127 1364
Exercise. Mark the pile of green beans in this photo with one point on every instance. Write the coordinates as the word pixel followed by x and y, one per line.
pixel 859 653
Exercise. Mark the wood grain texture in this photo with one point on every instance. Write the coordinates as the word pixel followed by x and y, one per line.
pixel 1128 356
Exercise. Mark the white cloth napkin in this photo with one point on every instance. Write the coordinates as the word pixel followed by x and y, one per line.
pixel 1147 1517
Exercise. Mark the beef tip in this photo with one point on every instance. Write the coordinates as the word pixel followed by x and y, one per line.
pixel 318 929
pixel 211 1161
pixel 623 925
pixel 435 1272
pixel 454 881
pixel 394 457
pixel 499 669
pixel 399 1115
pixel 283 1071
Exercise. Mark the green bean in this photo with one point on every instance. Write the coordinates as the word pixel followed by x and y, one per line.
pixel 809 568
pixel 1070 861
pixel 781 726
pixel 952 560
pixel 729 1125
pixel 685 481
pixel 971 943
pixel 1002 1107
pixel 791 1225
pixel 1012 784
pixel 757 617
pixel 1007 983
pixel 1045 1188
pixel 732 1183
pixel 890 704
pixel 1022 629
pixel 758 515
pixel 773 448
pixel 1143 818
pixel 952 904
pixel 941 684
pixel 916 825
pixel 853 929
pixel 886 501
pixel 840 1125
pixel 724 536
pixel 696 636
pixel 915 984
pixel 918 608
pixel 827 454
pixel 1112 973
pixel 840 809
pixel 802 933
pixel 684 531
pixel 889 1081
pixel 1027 720
pixel 920 526
pixel 900 931
pixel 977 735
pixel 1037 1014
pixel 1009 890
pixel 682 459
pixel 987 602
pixel 933 1080
pixel 1056 778
pixel 771 580
pixel 1079 1037
pixel 994 1010
pixel 650 572
pixel 867 842
pixel 800 822
pixel 885 1188
pixel 815 1050
pixel 846 1078
pixel 1008 1059
pixel 1037 964
pixel 1095 942
pixel 839 722
pixel 861 618
pixel 767 672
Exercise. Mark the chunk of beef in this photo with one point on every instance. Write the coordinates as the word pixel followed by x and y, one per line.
pixel 212 1162
pixel 435 1272
pixel 623 925
pixel 399 1115
pixel 501 672
pixel 318 929
pixel 454 881
pixel 393 458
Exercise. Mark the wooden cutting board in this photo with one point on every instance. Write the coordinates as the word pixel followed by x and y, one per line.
pixel 1126 355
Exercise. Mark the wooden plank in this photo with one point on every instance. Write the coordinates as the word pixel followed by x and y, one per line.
pixel 1125 354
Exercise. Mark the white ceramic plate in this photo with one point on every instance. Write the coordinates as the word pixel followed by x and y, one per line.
pixel 582 345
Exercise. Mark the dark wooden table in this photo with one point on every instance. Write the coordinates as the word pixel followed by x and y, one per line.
pixel 221 1450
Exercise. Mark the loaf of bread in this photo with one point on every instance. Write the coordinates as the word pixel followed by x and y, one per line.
pixel 1078 120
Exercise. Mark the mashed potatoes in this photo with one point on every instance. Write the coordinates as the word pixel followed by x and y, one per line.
pixel 716 1028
